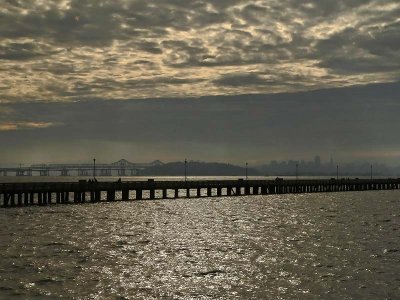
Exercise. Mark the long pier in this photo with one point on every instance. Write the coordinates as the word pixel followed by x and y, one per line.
pixel 46 193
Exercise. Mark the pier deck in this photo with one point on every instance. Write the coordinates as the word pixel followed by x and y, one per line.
pixel 45 193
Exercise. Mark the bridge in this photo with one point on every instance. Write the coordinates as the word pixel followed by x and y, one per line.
pixel 46 193
pixel 119 168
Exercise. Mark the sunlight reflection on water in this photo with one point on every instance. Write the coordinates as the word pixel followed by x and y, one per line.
pixel 339 245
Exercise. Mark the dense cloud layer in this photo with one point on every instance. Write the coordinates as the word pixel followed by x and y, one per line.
pixel 72 73
pixel 68 50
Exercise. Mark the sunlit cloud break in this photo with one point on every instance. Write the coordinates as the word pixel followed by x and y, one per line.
pixel 25 125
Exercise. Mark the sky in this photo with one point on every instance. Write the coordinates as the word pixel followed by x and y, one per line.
pixel 229 80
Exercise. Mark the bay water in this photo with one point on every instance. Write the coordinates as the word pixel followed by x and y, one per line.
pixel 295 246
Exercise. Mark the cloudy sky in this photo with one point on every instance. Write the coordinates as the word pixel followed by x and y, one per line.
pixel 227 80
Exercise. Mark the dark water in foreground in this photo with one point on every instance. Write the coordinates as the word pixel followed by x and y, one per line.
pixel 310 246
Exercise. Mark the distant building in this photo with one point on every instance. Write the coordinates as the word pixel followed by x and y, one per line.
pixel 317 161
pixel 331 162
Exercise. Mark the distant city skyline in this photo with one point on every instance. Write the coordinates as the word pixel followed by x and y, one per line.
pixel 330 167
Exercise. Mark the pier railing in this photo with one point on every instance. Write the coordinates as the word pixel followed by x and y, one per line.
pixel 44 193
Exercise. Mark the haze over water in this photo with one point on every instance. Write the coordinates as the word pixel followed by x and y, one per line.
pixel 11 179
pixel 330 246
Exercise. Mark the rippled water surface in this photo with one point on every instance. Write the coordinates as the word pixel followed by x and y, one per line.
pixel 330 246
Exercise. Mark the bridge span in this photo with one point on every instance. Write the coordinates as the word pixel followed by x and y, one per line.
pixel 46 193
pixel 118 168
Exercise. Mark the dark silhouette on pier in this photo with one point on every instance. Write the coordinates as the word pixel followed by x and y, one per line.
pixel 44 193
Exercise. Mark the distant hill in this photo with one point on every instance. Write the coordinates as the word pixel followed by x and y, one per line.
pixel 198 169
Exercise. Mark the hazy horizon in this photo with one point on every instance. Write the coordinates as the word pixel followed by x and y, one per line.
pixel 324 161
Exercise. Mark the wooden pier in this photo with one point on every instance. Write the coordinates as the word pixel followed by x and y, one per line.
pixel 46 193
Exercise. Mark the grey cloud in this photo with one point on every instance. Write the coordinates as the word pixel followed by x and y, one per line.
pixel 351 65
pixel 184 53
pixel 237 80
pixel 80 89
pixel 150 47
pixel 144 62
pixel 98 23
pixel 205 18
pixel 216 128
pixel 380 50
pixel 86 22
pixel 110 60
pixel 7 113
pixel 160 80
pixel 325 8
pixel 234 48
pixel 25 51
pixel 253 14
pixel 382 41
pixel 224 4
pixel 56 68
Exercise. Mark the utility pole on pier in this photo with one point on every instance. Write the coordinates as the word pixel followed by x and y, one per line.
pixel 185 167
pixel 337 172
pixel 20 170
pixel 371 172
pixel 94 168
pixel 246 169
